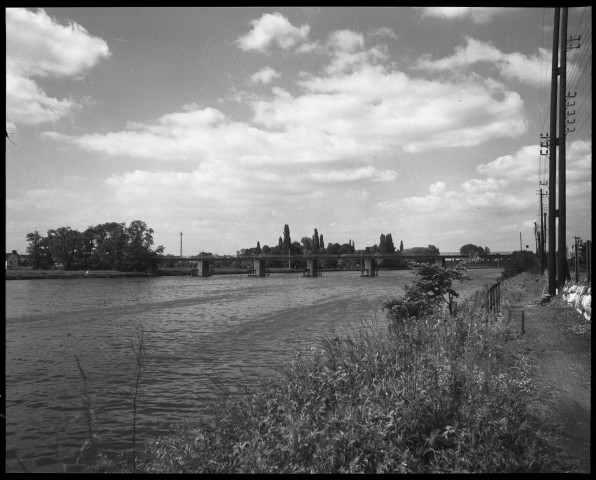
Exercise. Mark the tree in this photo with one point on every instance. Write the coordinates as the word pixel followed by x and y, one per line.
pixel 518 262
pixel 258 249
pixel 66 246
pixel 433 287
pixel 333 248
pixel 110 243
pixel 315 241
pixel 471 250
pixel 287 239
pixel 389 246
pixel 401 246
pixel 307 243
pixel 139 240
pixel 35 248
pixel 321 242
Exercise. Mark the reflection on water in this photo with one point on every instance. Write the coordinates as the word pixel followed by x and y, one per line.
pixel 199 333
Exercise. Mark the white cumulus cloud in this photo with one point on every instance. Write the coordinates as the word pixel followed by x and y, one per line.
pixel 38 47
pixel 273 29
pixel 265 76
pixel 524 68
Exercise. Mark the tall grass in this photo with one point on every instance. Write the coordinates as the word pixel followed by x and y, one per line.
pixel 441 394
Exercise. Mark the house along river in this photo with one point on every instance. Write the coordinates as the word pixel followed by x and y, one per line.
pixel 200 334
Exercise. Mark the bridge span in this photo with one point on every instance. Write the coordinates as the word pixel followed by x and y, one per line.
pixel 369 261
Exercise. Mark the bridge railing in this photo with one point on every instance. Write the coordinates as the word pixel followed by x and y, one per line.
pixel 307 256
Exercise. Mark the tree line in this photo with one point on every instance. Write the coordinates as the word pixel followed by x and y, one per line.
pixel 108 246
pixel 316 244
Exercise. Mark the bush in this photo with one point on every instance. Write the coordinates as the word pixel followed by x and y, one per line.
pixel 519 262
pixel 432 289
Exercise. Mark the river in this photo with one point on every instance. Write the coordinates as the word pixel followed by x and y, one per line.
pixel 200 334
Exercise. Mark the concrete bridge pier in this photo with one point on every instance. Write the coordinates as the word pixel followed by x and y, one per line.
pixel 260 270
pixel 370 268
pixel 203 268
pixel 312 267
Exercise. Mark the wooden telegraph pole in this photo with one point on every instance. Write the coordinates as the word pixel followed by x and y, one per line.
pixel 552 164
pixel 562 269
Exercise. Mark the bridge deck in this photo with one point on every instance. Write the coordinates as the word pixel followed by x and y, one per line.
pixel 322 256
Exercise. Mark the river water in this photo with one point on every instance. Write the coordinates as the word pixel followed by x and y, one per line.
pixel 200 334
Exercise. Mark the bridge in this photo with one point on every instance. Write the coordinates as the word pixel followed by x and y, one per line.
pixel 369 261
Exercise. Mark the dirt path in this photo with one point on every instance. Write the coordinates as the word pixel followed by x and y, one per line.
pixel 559 339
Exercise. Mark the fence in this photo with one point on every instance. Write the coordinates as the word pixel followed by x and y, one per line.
pixel 493 298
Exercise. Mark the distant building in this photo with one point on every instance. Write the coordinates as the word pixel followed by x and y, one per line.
pixel 12 260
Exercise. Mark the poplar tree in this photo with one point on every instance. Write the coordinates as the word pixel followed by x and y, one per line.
pixel 315 241
pixel 287 240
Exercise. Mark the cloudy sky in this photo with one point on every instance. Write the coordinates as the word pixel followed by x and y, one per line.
pixel 228 123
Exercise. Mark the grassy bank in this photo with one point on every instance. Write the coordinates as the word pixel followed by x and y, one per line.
pixel 441 394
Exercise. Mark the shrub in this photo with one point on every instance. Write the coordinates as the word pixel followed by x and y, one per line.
pixel 519 262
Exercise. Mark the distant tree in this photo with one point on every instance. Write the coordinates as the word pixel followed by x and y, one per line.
pixel 137 249
pixel 333 248
pixel 287 239
pixel 346 248
pixel 258 249
pixel 486 250
pixel 307 244
pixel 296 248
pixel 401 246
pixel 35 248
pixel 111 240
pixel 315 241
pixel 389 245
pixel 66 246
pixel 430 250
pixel 470 249
pixel 321 242
pixel 266 249
pixel 386 244
pixel 433 250
pixel 280 245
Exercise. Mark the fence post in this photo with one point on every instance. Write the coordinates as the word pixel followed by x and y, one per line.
pixel 523 322
pixel 589 260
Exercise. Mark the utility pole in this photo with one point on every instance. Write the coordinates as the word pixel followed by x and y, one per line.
pixel 542 236
pixel 552 165
pixel 562 269
pixel 181 244
pixel 577 241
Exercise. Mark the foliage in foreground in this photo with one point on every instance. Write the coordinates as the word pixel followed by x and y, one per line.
pixel 439 394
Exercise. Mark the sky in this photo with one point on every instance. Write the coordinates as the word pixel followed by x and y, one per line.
pixel 227 123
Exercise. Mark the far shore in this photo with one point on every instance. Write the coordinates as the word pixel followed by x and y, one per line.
pixel 39 274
